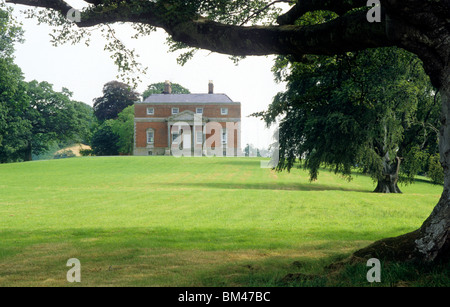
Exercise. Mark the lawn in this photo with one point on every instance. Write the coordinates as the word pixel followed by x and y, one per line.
pixel 166 221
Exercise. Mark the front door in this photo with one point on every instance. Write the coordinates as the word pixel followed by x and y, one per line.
pixel 187 140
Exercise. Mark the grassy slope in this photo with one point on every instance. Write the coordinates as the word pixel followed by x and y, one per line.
pixel 165 221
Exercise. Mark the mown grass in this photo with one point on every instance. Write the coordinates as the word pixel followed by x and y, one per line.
pixel 165 221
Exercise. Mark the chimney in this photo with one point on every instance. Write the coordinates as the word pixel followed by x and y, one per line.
pixel 167 87
pixel 210 87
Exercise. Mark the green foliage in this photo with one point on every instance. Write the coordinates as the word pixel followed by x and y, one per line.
pixel 33 117
pixel 125 59
pixel 85 121
pixel 64 154
pixel 435 171
pixel 14 128
pixel 54 117
pixel 105 141
pixel 116 97
pixel 251 151
pixel 86 152
pixel 415 162
pixel 10 32
pixel 50 152
pixel 123 127
pixel 352 110
pixel 158 88
pixel 238 12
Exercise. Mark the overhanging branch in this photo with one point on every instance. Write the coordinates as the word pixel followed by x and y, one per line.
pixel 346 33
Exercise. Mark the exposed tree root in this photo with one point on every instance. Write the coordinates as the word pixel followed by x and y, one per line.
pixel 401 248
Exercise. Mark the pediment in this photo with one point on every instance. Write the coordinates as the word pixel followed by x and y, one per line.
pixel 186 116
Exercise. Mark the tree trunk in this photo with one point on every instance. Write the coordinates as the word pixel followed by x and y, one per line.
pixel 431 241
pixel 28 156
pixel 388 183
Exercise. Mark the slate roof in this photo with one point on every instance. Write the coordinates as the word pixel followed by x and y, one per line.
pixel 189 98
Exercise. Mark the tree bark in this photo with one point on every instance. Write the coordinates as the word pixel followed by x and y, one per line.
pixel 334 37
pixel 433 241
pixel 28 156
pixel 388 183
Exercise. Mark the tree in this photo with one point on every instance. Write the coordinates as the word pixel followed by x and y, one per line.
pixel 10 33
pixel 116 97
pixel 14 128
pixel 421 27
pixel 13 99
pixel 115 136
pixel 252 151
pixel 422 139
pixel 32 115
pixel 52 115
pixel 36 117
pixel 85 120
pixel 435 172
pixel 158 88
pixel 123 127
pixel 105 141
pixel 353 109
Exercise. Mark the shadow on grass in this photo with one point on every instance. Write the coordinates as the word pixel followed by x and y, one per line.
pixel 203 239
pixel 273 186
pixel 427 181
pixel 168 256
pixel 240 161
pixel 255 162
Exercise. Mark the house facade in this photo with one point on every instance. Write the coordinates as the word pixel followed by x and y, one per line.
pixel 187 124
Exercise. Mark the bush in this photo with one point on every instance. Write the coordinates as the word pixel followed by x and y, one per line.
pixel 64 154
pixel 104 140
pixel 435 170
pixel 86 152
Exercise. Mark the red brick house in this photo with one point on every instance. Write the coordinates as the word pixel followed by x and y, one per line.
pixel 187 124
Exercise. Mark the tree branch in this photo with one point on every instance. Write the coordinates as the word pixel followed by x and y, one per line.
pixel 347 33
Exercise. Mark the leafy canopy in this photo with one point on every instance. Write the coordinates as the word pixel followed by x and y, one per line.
pixel 351 110
pixel 158 88
pixel 116 97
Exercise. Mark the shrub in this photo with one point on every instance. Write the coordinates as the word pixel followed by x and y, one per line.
pixel 86 152
pixel 64 154
pixel 435 170
pixel 104 140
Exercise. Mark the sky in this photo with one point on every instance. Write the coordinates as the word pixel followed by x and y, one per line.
pixel 85 69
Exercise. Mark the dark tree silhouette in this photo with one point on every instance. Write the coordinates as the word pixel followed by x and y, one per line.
pixel 116 97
